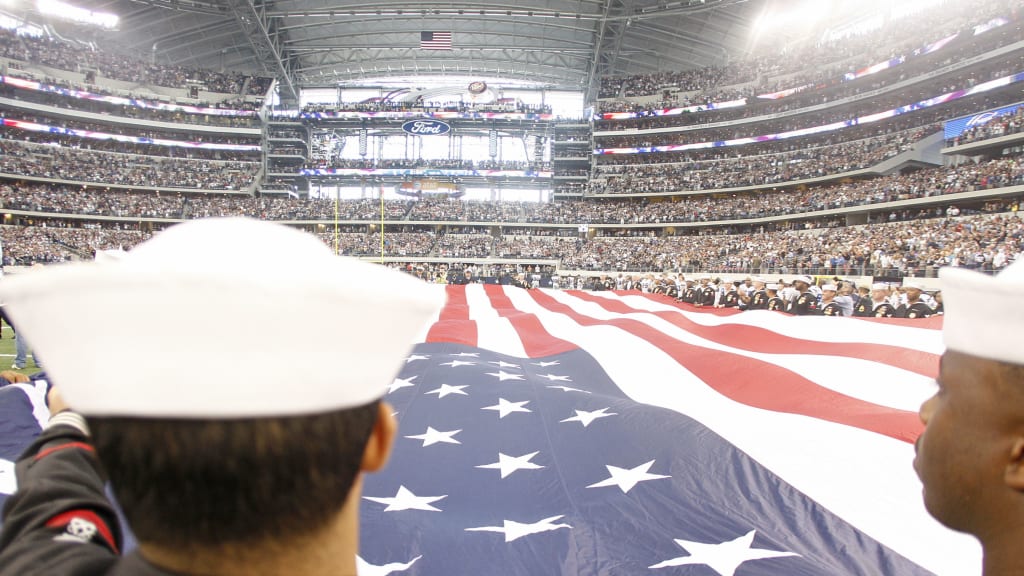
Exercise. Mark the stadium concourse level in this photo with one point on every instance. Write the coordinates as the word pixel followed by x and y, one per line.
pixel 829 61
pixel 393 106
pixel 437 164
pixel 75 200
pixel 141 109
pixel 139 131
pixel 110 64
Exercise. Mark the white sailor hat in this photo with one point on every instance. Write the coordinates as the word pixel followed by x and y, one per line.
pixel 760 279
pixel 805 279
pixel 880 286
pixel 982 313
pixel 831 287
pixel 221 318
pixel 915 284
pixel 772 286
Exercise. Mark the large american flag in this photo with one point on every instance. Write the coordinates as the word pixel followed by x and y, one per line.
pixel 565 432
pixel 436 40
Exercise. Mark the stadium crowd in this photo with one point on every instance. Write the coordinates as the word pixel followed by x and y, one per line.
pixel 917 247
pixel 805 161
pixel 111 168
pixel 813 91
pixel 827 59
pixel 862 108
pixel 62 55
pixel 1003 125
pixel 923 183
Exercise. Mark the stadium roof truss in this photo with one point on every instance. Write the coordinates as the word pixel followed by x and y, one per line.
pixel 560 44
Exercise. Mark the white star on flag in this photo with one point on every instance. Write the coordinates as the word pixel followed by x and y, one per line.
pixel 406 500
pixel 509 464
pixel 432 436
pixel 554 378
pixel 503 364
pixel 457 363
pixel 723 558
pixel 515 530
pixel 585 418
pixel 568 389
pixel 8 482
pixel 401 383
pixel 504 407
pixel 627 478
pixel 413 358
pixel 364 568
pixel 467 355
pixel 447 389
pixel 545 364
pixel 501 375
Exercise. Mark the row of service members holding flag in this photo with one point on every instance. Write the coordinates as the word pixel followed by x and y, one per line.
pixel 802 296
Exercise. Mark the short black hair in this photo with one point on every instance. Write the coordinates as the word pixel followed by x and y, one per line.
pixel 199 484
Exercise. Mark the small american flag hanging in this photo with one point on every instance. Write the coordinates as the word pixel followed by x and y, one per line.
pixel 435 40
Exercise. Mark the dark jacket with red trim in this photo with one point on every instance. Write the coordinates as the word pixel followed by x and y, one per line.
pixel 60 522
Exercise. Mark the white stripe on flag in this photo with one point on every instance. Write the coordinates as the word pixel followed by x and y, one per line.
pixel 863 477
pixel 816 328
pixel 873 382
pixel 494 332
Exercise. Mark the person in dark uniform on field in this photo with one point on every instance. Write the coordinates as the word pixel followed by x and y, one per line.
pixel 880 305
pixel 708 292
pixel 732 296
pixel 222 464
pixel 863 307
pixel 465 278
pixel 672 288
pixel 829 307
pixel 970 456
pixel 940 308
pixel 759 297
pixel 915 306
pixel 690 293
pixel 775 303
pixel 520 281
pixel 805 303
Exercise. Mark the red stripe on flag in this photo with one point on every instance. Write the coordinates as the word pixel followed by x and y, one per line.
pixel 763 341
pixel 743 380
pixel 537 341
pixel 454 324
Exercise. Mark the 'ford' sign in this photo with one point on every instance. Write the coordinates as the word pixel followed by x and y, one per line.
pixel 426 127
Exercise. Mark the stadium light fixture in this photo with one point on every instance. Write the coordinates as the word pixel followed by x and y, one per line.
pixel 805 15
pixel 77 14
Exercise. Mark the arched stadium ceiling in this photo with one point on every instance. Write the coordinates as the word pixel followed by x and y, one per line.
pixel 566 44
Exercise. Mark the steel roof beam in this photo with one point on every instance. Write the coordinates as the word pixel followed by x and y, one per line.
pixel 266 43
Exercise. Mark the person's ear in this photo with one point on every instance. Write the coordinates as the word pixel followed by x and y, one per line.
pixel 1014 476
pixel 382 439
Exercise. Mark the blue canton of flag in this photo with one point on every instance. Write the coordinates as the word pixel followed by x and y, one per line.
pixel 542 466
